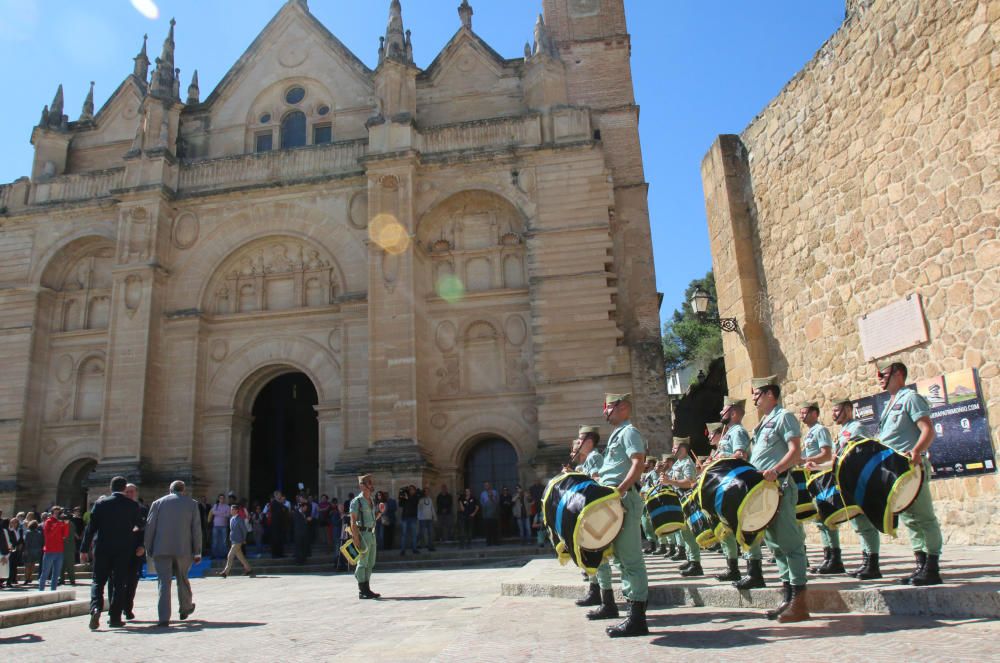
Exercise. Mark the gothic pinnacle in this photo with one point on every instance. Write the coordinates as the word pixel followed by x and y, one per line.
pixel 88 105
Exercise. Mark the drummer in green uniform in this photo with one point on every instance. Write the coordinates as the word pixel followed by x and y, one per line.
pixel 665 465
pixel 589 461
pixel 684 476
pixel 648 481
pixel 817 449
pixel 624 459
pixel 730 549
pixel 362 511
pixel 843 416
pixel 776 450
pixel 905 426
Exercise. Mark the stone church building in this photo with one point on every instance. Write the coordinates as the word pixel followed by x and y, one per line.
pixel 321 269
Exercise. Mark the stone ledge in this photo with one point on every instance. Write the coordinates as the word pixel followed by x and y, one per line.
pixel 31 598
pixel 43 613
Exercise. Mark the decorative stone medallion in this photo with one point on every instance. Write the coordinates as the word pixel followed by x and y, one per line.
pixel 219 350
pixel 186 229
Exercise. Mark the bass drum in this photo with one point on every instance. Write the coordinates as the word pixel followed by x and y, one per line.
pixel 830 505
pixel 878 480
pixel 583 518
pixel 735 493
pixel 665 511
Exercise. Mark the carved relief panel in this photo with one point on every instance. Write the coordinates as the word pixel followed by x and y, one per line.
pixel 83 296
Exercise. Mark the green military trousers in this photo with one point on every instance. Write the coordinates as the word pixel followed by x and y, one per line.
pixel 829 536
pixel 692 549
pixel 785 538
pixel 366 560
pixel 628 556
pixel 870 541
pixel 730 548
pixel 920 521
pixel 647 527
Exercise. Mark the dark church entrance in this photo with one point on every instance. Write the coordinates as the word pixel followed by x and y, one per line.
pixel 493 460
pixel 284 442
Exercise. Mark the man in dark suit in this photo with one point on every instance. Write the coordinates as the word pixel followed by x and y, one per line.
pixel 111 532
pixel 173 540
pixel 135 565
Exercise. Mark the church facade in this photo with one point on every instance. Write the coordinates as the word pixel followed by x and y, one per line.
pixel 322 269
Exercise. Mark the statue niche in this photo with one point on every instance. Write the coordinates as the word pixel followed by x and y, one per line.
pixel 273 274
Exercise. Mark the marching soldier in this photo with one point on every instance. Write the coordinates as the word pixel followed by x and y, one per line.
pixel 776 450
pixel 363 533
pixel 684 476
pixel 905 426
pixel 817 449
pixel 590 460
pixel 843 416
pixel 624 459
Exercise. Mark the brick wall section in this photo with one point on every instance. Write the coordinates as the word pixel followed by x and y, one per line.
pixel 874 175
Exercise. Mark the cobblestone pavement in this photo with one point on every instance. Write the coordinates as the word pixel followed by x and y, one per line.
pixel 460 616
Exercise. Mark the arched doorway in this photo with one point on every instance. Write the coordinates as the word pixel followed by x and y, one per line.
pixel 72 490
pixel 284 440
pixel 491 459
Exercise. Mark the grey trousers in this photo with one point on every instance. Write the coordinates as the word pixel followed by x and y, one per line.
pixel 167 566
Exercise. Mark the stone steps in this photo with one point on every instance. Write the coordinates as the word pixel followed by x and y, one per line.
pixel 28 606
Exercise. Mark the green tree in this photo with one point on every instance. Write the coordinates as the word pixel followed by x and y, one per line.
pixel 685 337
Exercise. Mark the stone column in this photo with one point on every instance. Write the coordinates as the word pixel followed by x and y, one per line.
pixel 331 443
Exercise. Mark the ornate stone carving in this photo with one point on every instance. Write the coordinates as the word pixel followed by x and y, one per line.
pixel 445 336
pixel 517 330
pixel 449 377
pixel 137 235
pixel 219 350
pixel 334 340
pixel 186 230
pixel 133 294
pixel 358 210
pixel 439 420
pixel 530 415
pixel 64 368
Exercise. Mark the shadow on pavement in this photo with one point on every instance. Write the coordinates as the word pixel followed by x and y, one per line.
pixel 418 598
pixel 191 625
pixel 21 639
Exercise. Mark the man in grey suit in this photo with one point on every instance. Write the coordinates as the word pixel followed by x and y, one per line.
pixel 173 540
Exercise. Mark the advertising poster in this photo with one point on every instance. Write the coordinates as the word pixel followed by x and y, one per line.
pixel 962 444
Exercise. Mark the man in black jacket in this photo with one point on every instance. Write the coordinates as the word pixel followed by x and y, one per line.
pixel 113 523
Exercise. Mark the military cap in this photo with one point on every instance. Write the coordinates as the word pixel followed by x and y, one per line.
pixel 809 405
pixel 589 429
pixel 668 456
pixel 713 428
pixel 734 402
pixel 842 401
pixel 611 399
pixel 883 365
pixel 760 383
pixel 685 441
pixel 363 478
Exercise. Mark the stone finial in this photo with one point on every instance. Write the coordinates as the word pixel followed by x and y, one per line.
pixel 52 115
pixel 465 13
pixel 177 84
pixel 141 69
pixel 164 82
pixel 543 40
pixel 396 44
pixel 527 50
pixel 88 105
pixel 193 92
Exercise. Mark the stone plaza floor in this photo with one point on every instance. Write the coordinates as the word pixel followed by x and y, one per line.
pixel 460 615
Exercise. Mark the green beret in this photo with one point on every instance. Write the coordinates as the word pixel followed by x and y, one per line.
pixel 611 399
pixel 760 383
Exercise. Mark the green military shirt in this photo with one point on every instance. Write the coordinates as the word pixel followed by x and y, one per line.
pixel 364 511
pixel 847 431
pixel 683 469
pixel 592 464
pixel 898 425
pixel 771 437
pixel 735 439
pixel 624 443
pixel 817 439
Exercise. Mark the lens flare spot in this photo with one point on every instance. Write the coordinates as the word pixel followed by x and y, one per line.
pixel 147 8
pixel 450 288
pixel 389 234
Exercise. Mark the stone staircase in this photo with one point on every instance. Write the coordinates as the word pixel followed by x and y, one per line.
pixel 27 606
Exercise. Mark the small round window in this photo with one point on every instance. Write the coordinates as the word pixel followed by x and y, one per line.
pixel 295 95
pixel 265 118
pixel 323 110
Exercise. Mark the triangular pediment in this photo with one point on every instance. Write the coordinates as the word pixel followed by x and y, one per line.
pixel 464 59
pixel 293 44
pixel 117 119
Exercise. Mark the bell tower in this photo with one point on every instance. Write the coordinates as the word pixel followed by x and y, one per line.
pixel 591 38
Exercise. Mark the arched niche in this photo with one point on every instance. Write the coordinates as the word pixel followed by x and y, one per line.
pixel 272 274
pixel 271 109
pixel 79 276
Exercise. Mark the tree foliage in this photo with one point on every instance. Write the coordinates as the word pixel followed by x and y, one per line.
pixel 687 339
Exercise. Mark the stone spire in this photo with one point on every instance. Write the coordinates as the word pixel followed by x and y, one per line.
pixel 88 105
pixel 52 115
pixel 543 40
pixel 396 44
pixel 465 13
pixel 141 70
pixel 193 92
pixel 164 81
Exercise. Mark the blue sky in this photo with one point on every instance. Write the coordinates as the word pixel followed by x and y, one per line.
pixel 701 68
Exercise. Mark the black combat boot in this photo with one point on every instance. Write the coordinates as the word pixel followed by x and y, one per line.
pixel 826 559
pixel 864 565
pixel 684 566
pixel 634 624
pixel 733 574
pixel 648 547
pixel 693 569
pixel 870 571
pixel 361 591
pixel 680 555
pixel 930 574
pixel 754 578
pixel 365 591
pixel 593 596
pixel 671 550
pixel 661 549
pixel 608 609
pixel 920 559
pixel 786 588
pixel 833 564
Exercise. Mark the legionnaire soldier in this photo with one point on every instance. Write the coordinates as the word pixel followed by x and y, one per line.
pixel 624 459
pixel 776 449
pixel 817 449
pixel 684 476
pixel 736 440
pixel 647 483
pixel 590 460
pixel 843 416
pixel 714 431
pixel 362 511
pixel 667 464
pixel 905 425
pixel 730 549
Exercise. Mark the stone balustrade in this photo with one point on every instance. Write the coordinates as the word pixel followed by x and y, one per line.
pixel 483 134
pixel 79 186
pixel 276 166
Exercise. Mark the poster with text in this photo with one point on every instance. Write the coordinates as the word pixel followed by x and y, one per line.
pixel 962 443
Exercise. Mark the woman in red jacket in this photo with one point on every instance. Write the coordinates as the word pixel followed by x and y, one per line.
pixel 55 531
